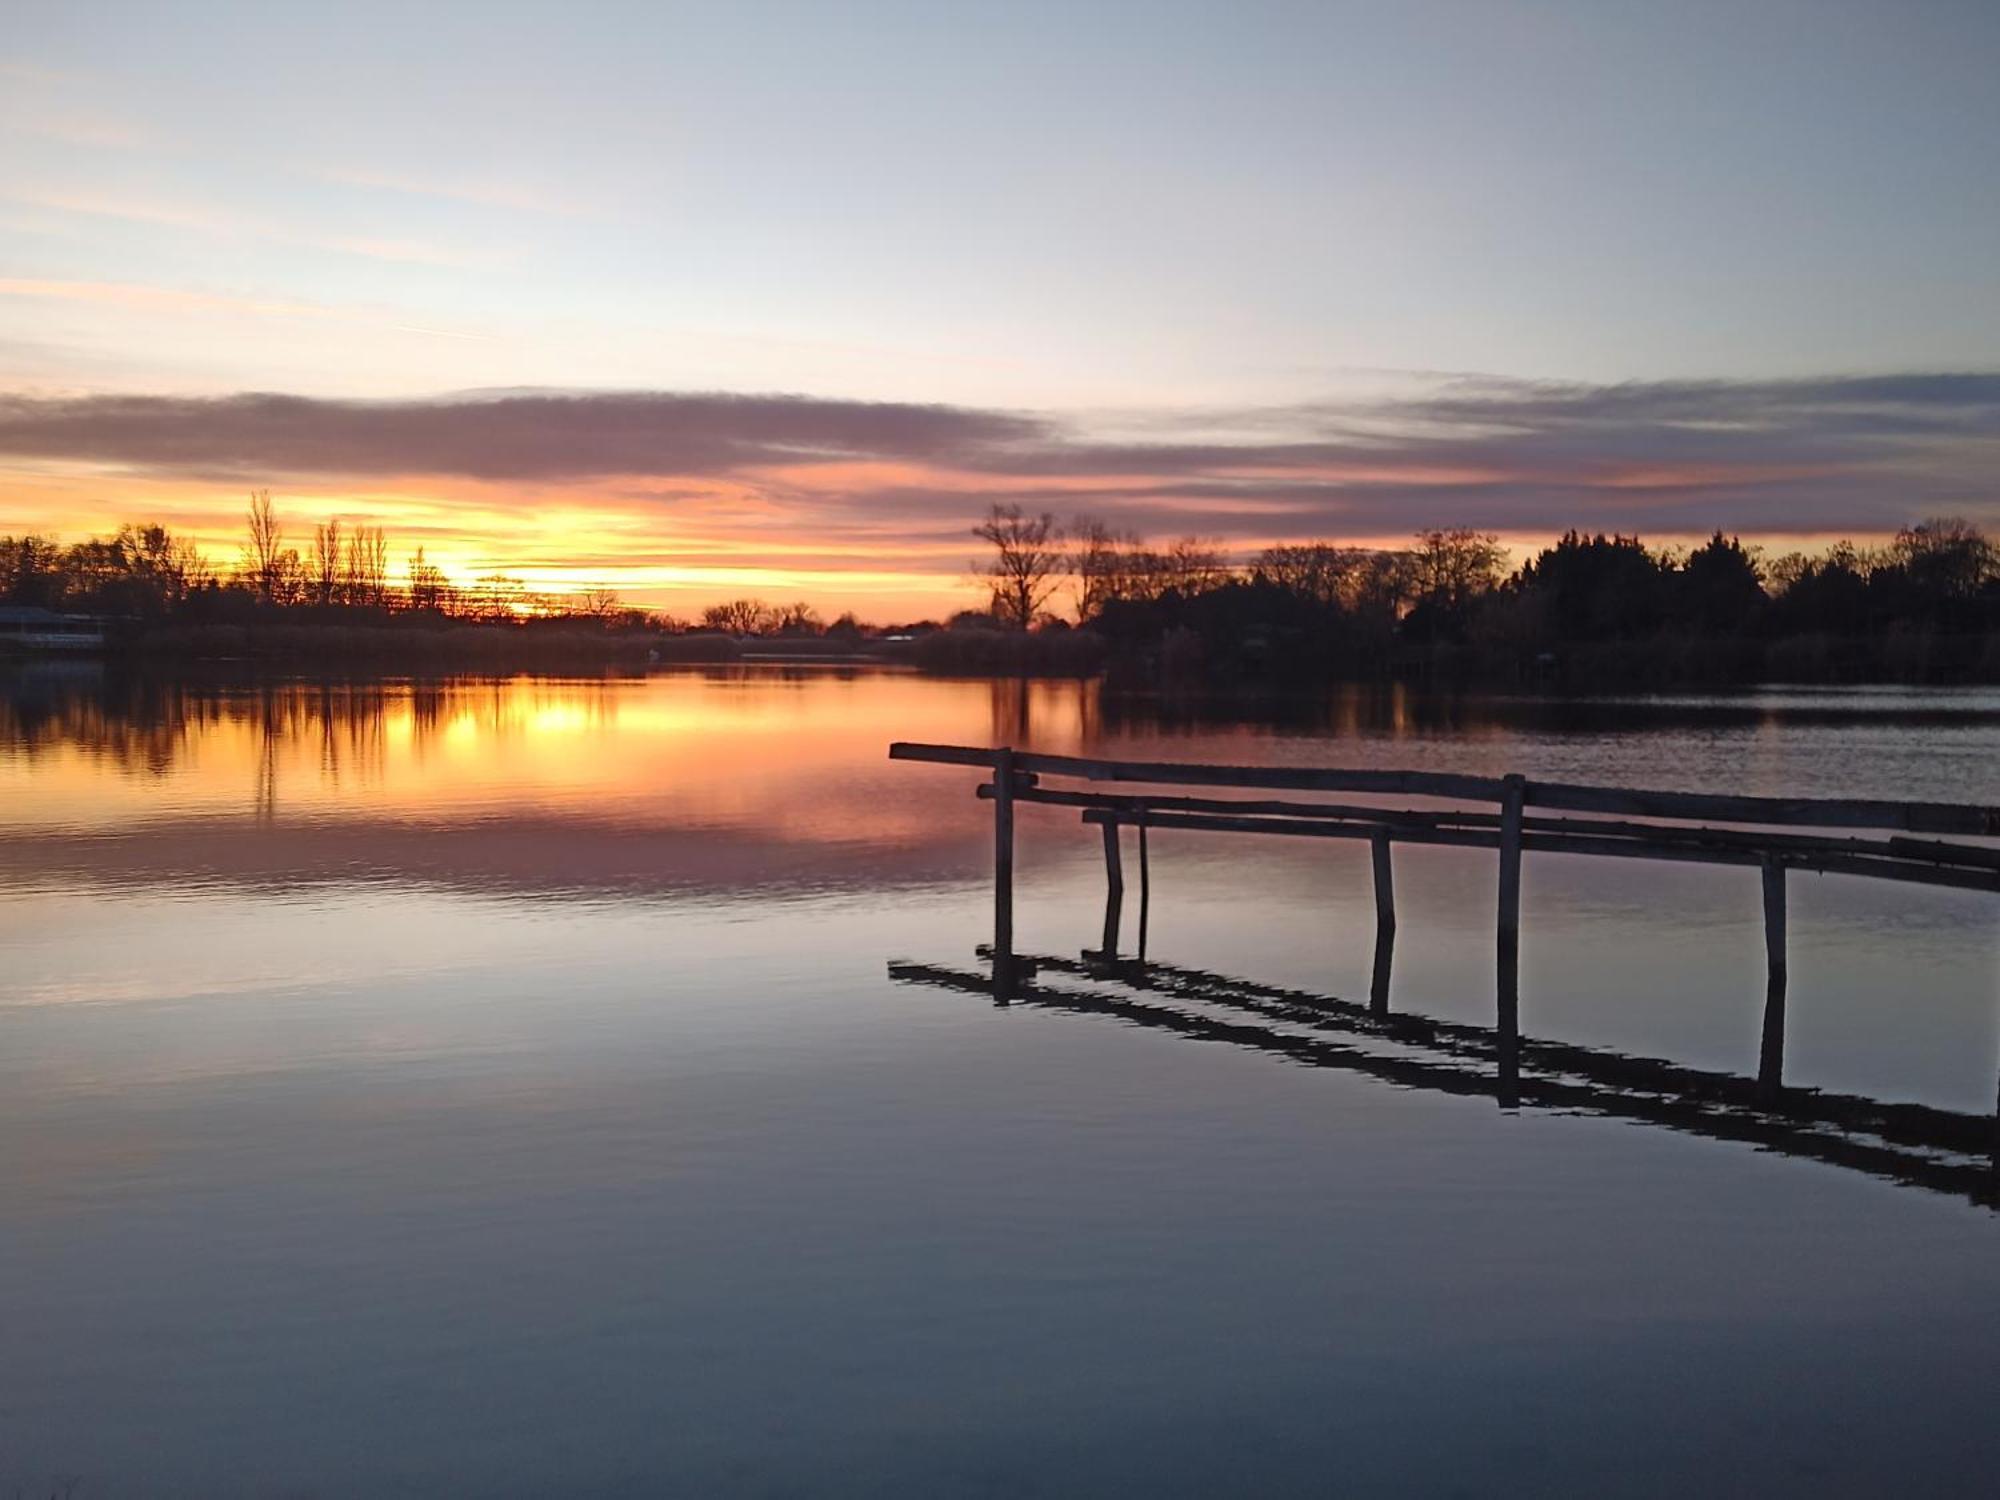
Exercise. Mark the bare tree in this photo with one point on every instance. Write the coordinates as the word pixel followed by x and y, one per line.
pixel 1027 562
pixel 325 563
pixel 602 605
pixel 1450 568
pixel 429 588
pixel 1102 558
pixel 289 583
pixel 1193 565
pixel 496 597
pixel 365 573
pixel 262 553
pixel 1112 566
pixel 798 619
pixel 1319 571
pixel 1946 556
pixel 740 617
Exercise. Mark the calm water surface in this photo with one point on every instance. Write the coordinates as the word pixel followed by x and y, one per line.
pixel 499 1088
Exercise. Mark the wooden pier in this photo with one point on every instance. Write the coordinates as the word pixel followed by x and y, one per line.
pixel 1525 817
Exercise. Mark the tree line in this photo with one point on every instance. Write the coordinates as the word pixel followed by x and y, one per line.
pixel 146 574
pixel 1926 602
pixel 1081 596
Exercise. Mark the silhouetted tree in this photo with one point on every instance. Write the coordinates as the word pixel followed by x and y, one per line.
pixel 31 571
pixel 365 571
pixel 1027 562
pixel 740 617
pixel 796 619
pixel 428 588
pixel 1103 561
pixel 263 559
pixel 326 561
pixel 1598 588
pixel 1449 569
pixel 1823 595
pixel 1722 587
pixel 1945 557
pixel 1319 571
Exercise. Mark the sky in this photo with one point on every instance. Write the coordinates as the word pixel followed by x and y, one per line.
pixel 697 301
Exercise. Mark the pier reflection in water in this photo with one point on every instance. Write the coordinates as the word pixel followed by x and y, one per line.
pixel 1943 1150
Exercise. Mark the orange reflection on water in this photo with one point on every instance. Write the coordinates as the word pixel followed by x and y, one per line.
pixel 791 753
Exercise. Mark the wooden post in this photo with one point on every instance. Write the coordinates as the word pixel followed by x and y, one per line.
pixel 1385 922
pixel 1771 1051
pixel 1514 795
pixel 1114 889
pixel 1993 1163
pixel 1003 874
pixel 1145 890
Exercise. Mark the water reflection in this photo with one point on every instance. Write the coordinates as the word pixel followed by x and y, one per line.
pixel 1945 1151
pixel 726 777
pixel 158 724
pixel 508 1067
pixel 729 781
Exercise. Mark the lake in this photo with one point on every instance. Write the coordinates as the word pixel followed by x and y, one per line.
pixel 501 1088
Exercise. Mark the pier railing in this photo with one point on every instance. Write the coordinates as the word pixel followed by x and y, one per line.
pixel 1625 823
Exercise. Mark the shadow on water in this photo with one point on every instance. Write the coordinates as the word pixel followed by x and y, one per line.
pixel 1942 1151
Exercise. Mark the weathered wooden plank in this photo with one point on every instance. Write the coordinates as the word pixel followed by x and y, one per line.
pixel 942 755
pixel 1754 841
pixel 1819 812
pixel 1331 811
pixel 1942 853
pixel 1178 773
pixel 1812 812
pixel 1763 840
pixel 1908 872
pixel 1274 778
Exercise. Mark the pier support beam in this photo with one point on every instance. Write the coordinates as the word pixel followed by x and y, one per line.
pixel 1385 922
pixel 1114 889
pixel 1513 796
pixel 1003 875
pixel 1771 1050
pixel 1145 890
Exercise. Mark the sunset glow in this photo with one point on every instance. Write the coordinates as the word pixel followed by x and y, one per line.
pixel 916 332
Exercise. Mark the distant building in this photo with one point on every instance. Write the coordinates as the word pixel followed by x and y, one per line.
pixel 28 629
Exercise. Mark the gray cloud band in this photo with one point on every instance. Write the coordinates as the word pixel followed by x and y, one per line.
pixel 1837 453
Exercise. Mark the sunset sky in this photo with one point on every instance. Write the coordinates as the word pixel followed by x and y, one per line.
pixel 703 300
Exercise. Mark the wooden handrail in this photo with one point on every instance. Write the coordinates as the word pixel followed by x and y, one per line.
pixel 1830 860
pixel 1808 812
pixel 1181 773
pixel 1395 823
